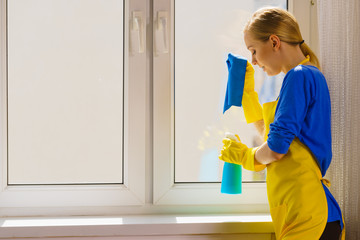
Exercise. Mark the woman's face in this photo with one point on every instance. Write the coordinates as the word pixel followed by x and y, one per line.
pixel 263 54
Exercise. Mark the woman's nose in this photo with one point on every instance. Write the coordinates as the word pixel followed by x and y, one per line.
pixel 253 60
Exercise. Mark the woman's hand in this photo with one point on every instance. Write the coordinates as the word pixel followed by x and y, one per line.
pixel 234 151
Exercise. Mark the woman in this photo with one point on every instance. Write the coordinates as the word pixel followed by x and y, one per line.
pixel 296 129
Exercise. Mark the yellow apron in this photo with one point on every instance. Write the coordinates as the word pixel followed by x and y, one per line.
pixel 297 200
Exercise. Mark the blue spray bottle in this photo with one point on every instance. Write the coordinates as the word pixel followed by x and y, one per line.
pixel 232 175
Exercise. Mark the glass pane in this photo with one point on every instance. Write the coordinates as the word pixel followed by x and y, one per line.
pixel 205 32
pixel 65 91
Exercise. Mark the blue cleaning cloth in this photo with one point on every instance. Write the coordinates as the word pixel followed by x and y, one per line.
pixel 235 85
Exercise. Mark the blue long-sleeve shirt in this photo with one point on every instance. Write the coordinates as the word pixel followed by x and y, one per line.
pixel 304 111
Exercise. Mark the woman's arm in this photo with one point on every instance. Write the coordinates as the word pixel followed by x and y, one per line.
pixel 260 127
pixel 265 155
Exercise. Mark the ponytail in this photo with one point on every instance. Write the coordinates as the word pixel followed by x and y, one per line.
pixel 306 50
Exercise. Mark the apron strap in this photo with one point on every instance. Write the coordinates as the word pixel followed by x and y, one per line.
pixel 326 182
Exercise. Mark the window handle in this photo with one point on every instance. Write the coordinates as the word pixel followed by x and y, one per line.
pixel 137 35
pixel 161 33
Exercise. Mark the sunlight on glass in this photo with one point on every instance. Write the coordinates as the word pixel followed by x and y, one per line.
pixel 203 39
pixel 65 91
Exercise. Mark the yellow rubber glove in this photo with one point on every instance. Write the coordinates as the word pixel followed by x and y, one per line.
pixel 234 151
pixel 250 100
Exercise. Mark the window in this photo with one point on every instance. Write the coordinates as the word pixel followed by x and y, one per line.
pixel 203 36
pixel 66 122
pixel 100 105
pixel 199 85
pixel 65 92
pixel 189 89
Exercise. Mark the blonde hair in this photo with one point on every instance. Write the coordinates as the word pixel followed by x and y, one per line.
pixel 268 21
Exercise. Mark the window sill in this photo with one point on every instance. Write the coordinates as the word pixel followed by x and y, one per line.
pixel 135 226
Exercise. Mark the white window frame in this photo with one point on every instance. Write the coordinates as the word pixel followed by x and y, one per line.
pixel 166 191
pixel 148 186
pixel 82 199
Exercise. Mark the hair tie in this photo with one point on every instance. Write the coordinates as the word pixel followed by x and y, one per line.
pixel 302 42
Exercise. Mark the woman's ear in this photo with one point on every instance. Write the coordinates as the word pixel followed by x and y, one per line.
pixel 275 41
